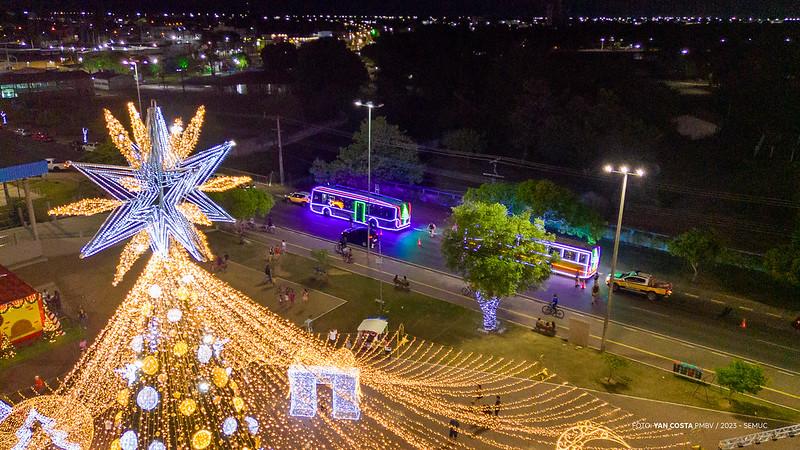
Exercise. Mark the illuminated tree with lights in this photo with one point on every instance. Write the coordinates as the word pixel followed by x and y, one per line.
pixel 498 255
pixel 6 347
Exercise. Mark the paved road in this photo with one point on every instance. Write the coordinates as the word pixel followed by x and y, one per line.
pixel 652 332
pixel 682 316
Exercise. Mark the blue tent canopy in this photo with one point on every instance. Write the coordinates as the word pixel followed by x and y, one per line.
pixel 20 171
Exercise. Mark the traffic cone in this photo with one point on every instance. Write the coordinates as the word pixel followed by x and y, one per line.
pixel 743 325
pixel 419 242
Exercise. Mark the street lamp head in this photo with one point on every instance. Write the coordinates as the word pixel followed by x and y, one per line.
pixel 640 172
pixel 623 169
pixel 608 168
pixel 358 103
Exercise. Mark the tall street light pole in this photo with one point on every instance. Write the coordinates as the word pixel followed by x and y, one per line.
pixel 370 106
pixel 624 171
pixel 136 75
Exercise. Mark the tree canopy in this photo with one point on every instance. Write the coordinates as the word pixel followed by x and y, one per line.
pixel 464 140
pixel 697 246
pixel 740 376
pixel 497 254
pixel 328 76
pixel 279 57
pixel 244 203
pixel 394 158
pixel 561 210
pixel 105 61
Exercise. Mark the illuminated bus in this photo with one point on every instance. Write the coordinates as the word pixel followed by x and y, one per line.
pixel 569 257
pixel 379 211
pixel 574 257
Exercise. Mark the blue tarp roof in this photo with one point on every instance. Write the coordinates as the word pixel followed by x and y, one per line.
pixel 20 171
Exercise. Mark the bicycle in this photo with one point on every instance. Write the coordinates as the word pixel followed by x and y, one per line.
pixel 555 311
pixel 467 291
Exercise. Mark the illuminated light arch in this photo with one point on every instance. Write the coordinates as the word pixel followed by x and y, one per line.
pixel 575 438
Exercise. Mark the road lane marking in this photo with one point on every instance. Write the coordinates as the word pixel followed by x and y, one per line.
pixel 745 308
pixel 691 295
pixel 533 299
pixel 649 311
pixel 774 315
pixel 778 345
pixel 785 373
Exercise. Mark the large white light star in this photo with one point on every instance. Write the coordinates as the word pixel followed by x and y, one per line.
pixel 150 194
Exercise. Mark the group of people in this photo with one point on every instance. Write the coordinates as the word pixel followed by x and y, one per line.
pixel 287 295
pixel 545 326
pixel 220 263
pixel 276 251
pixel 52 301
pixel 402 282
pixel 581 283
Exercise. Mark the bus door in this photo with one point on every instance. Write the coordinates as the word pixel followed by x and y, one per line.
pixel 359 211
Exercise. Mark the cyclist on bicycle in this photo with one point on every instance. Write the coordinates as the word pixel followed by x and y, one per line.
pixel 554 302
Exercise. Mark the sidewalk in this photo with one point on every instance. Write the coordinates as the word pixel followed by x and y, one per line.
pixel 640 345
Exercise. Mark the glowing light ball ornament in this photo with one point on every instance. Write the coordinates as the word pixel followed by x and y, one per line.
pixel 252 425
pixel 154 291
pixel 156 445
pixel 174 315
pixel 187 407
pixel 147 398
pixel 229 426
pixel 180 348
pixel 219 376
pixel 201 439
pixel 129 440
pixel 204 353
pixel 150 365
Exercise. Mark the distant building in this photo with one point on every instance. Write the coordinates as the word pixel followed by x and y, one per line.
pixel 44 82
pixel 112 81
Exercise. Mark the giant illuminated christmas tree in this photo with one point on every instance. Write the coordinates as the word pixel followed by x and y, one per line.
pixel 188 362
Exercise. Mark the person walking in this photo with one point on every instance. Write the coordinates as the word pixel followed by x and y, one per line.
pixel 283 246
pixel 305 295
pixel 291 297
pixel 309 324
pixel 595 293
pixel 454 425
pixel 280 295
pixel 583 283
pixel 268 274
pixel 56 301
pixel 497 405
pixel 271 254
pixel 83 319
pixel 577 280
pixel 38 384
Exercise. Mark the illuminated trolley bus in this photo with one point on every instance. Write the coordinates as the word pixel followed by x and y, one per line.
pixel 380 211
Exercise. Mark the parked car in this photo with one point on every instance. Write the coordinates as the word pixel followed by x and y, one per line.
pixel 22 132
pixel 298 198
pixel 42 137
pixel 358 236
pixel 640 283
pixel 56 166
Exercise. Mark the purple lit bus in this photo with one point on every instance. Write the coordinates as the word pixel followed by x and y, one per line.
pixel 379 211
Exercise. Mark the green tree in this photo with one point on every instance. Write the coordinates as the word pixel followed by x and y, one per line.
pixel 105 61
pixel 561 209
pixel 698 247
pixel 503 193
pixel 394 158
pixel 614 364
pixel 105 153
pixel 328 76
pixel 464 140
pixel 280 57
pixel 498 255
pixel 244 203
pixel 739 376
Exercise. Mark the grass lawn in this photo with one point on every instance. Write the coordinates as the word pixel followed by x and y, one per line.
pixel 60 189
pixel 72 333
pixel 441 322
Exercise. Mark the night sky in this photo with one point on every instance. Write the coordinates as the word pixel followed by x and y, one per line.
pixel 504 8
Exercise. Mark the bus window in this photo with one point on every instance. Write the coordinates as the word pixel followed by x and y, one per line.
pixel 318 197
pixel 569 255
pixel 583 259
pixel 554 251
pixel 382 212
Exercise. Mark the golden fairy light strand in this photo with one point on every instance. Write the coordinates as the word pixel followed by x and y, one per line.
pixel 189 137
pixel 140 134
pixel 85 207
pixel 224 183
pixel 133 250
pixel 193 214
pixel 121 139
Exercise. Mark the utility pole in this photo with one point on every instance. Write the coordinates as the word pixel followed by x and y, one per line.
pixel 280 149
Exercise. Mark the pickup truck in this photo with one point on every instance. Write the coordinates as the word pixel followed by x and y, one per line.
pixel 640 283
pixel 56 166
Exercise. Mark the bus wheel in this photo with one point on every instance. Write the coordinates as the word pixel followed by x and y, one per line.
pixel 373 224
pixel 326 212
